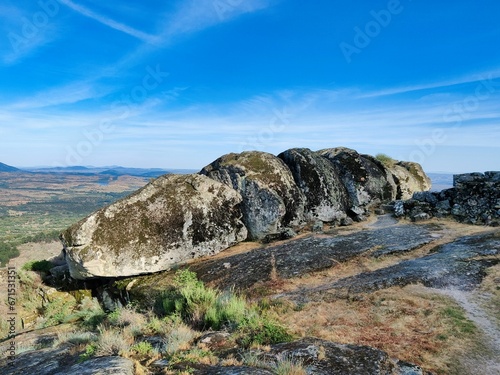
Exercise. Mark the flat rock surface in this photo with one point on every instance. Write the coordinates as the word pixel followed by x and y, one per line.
pixel 320 357
pixel 460 264
pixel 61 361
pixel 313 253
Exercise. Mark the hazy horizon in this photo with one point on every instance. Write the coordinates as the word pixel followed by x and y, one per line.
pixel 178 84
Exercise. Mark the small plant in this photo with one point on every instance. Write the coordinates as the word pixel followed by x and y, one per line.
pixel 191 299
pixel 386 160
pixel 144 349
pixel 112 342
pixel 259 330
pixel 75 338
pixel 129 319
pixel 91 312
pixel 57 311
pixel 90 351
pixel 38 266
pixel 287 365
pixel 461 324
pixel 252 359
pixel 179 338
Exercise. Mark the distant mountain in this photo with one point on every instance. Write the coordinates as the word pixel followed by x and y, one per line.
pixel 138 172
pixel 113 170
pixel 8 168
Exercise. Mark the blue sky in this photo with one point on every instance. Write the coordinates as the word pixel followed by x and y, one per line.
pixel 175 84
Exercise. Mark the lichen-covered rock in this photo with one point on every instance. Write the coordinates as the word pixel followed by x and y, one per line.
pixel 474 199
pixel 409 178
pixel 367 181
pixel 477 199
pixel 171 220
pixel 271 199
pixel 326 195
pixel 329 358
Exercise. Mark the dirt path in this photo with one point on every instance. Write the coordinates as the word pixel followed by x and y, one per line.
pixel 488 361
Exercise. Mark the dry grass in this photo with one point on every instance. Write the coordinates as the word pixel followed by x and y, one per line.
pixel 180 338
pixel 408 323
pixel 113 342
pixel 491 286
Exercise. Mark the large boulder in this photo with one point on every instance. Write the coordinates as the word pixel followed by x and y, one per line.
pixel 326 196
pixel 367 181
pixel 271 199
pixel 171 220
pixel 410 178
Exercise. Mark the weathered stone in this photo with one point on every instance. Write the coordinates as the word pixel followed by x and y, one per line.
pixel 326 196
pixel 474 199
pixel 271 199
pixel 329 358
pixel 102 366
pixel 317 227
pixel 365 179
pixel 310 254
pixel 171 220
pixel 231 370
pixel 409 178
pixel 460 264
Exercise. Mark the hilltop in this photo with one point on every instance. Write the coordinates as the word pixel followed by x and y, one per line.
pixel 308 262
pixel 7 168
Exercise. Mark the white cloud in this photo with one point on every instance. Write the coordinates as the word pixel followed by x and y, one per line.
pixel 67 94
pixel 109 22
pixel 471 78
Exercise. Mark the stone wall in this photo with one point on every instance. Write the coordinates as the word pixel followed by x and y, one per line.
pixel 474 199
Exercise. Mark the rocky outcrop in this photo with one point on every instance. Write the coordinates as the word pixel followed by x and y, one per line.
pixel 326 196
pixel 252 195
pixel 409 178
pixel 474 199
pixel 271 199
pixel 367 181
pixel 171 220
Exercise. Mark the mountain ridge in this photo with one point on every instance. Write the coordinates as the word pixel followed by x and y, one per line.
pixel 8 168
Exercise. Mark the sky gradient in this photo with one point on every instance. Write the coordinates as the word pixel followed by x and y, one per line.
pixel 176 84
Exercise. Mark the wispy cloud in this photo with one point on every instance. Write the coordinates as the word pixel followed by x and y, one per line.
pixel 476 77
pixel 21 38
pixel 195 15
pixel 109 22
pixel 67 94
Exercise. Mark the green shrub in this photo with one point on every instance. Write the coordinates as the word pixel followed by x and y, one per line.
pixel 208 308
pixel 57 312
pixel 190 299
pixel 38 266
pixel 261 330
pixel 7 252
pixel 91 313
pixel 143 348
